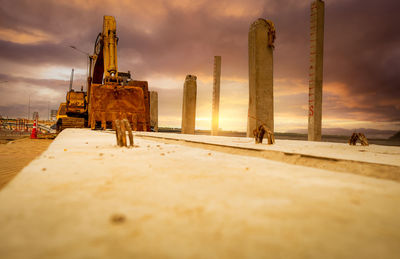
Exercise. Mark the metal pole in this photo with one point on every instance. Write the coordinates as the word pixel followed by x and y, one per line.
pixel 29 106
pixel 88 63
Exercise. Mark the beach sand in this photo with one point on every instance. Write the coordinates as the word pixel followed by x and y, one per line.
pixel 17 154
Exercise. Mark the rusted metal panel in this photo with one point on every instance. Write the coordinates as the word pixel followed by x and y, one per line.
pixel 112 101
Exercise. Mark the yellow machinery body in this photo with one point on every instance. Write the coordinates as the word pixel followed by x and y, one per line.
pixel 111 94
pixel 61 113
pixel 76 102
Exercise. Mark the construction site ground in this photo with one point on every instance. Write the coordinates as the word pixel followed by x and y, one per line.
pixel 18 153
pixel 185 196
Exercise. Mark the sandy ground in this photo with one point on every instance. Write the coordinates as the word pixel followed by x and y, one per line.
pixel 17 154
pixel 86 198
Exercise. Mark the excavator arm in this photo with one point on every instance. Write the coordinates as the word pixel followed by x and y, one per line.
pixel 104 59
pixel 111 94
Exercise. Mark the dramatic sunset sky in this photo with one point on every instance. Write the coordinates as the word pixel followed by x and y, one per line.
pixel 162 41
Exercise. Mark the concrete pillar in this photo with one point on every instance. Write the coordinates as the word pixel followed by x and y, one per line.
pixel 216 90
pixel 154 110
pixel 189 105
pixel 316 71
pixel 261 97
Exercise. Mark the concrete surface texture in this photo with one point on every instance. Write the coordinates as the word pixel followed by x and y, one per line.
pixel 316 70
pixel 215 96
pixel 154 110
pixel 261 97
pixel 189 104
pixel 86 198
pixel 375 161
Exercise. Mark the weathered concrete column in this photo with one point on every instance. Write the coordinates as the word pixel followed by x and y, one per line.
pixel 316 71
pixel 189 105
pixel 154 110
pixel 216 90
pixel 261 97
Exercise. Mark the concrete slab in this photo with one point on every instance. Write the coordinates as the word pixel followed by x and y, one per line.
pixel 389 155
pixel 86 198
pixel 374 160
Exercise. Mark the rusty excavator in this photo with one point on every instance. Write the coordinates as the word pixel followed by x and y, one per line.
pixel 110 94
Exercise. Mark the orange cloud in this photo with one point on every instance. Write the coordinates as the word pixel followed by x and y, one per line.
pixel 30 36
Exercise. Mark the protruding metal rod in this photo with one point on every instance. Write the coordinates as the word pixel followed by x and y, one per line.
pixel 121 126
pixel 260 132
pixel 123 133
pixel 129 129
pixel 118 132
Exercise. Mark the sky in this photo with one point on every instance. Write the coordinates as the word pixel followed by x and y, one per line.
pixel 163 41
